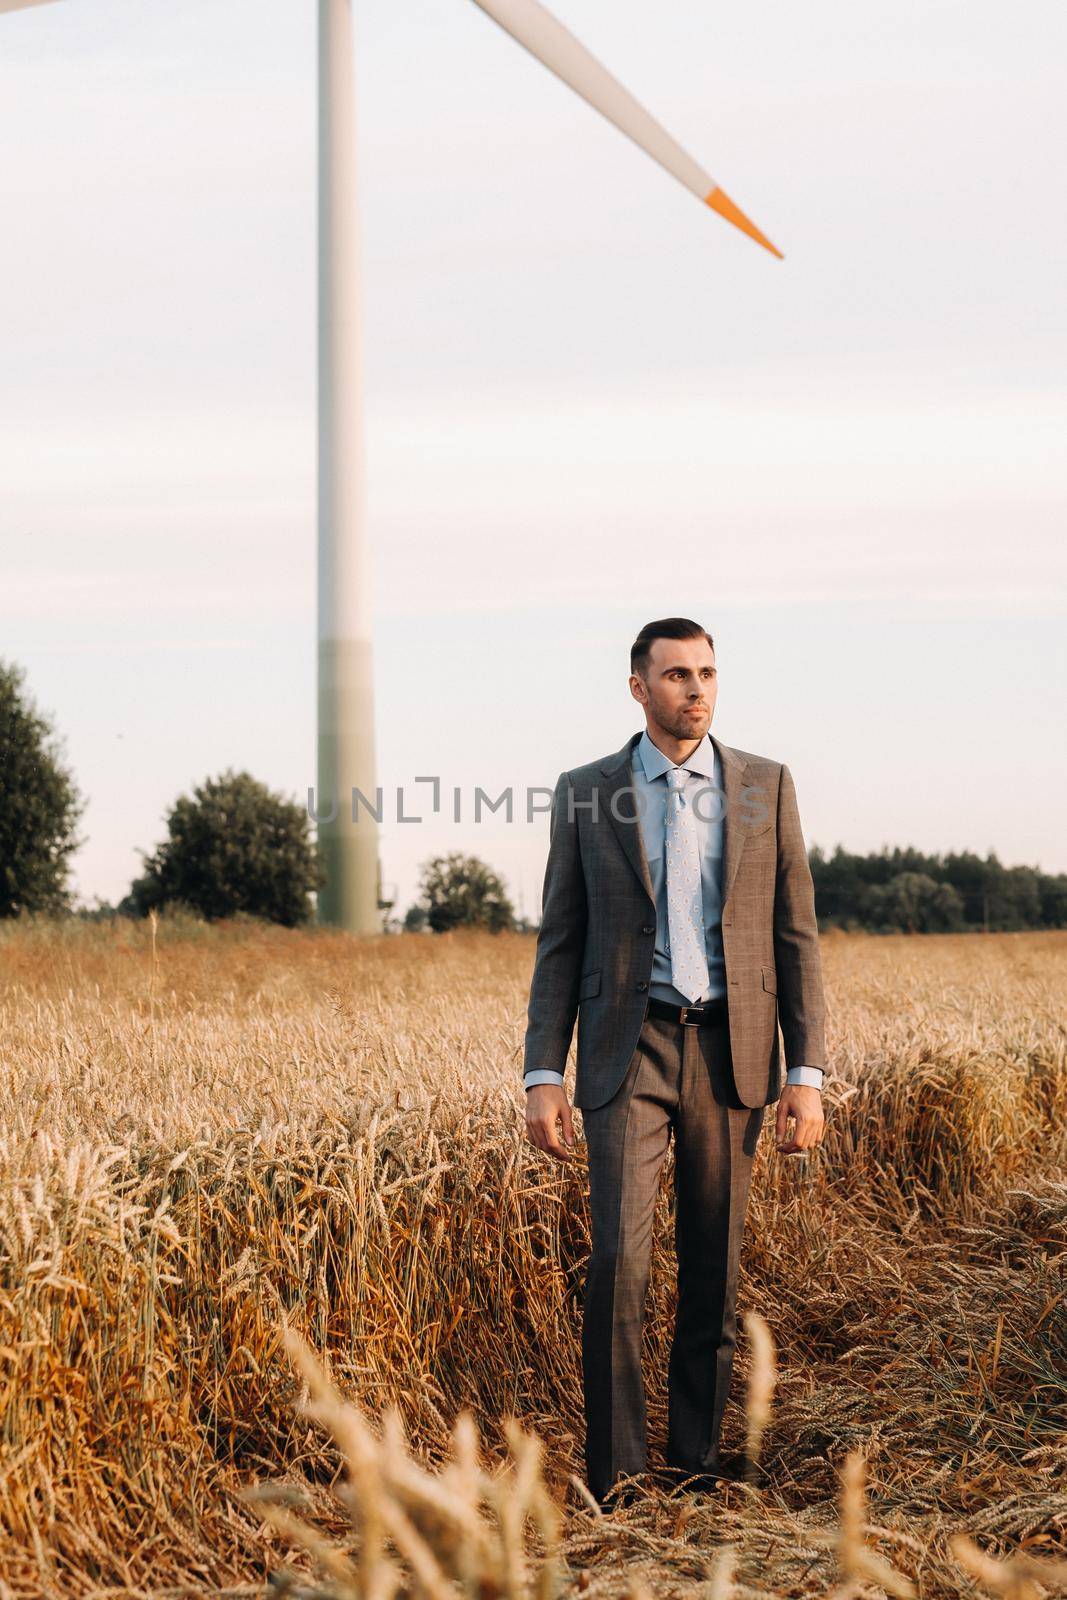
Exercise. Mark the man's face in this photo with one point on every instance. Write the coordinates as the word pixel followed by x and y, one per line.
pixel 680 688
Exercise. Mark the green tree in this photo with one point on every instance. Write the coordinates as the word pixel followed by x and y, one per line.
pixel 914 902
pixel 39 807
pixel 462 891
pixel 1054 901
pixel 234 846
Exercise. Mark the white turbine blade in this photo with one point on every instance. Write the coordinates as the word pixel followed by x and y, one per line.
pixel 557 48
pixel 20 5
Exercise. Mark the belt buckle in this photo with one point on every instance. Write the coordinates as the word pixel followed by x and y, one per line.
pixel 685 1010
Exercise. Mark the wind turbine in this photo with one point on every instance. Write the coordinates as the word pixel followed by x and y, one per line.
pixel 346 760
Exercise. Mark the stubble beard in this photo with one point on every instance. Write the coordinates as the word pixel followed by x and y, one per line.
pixel 681 726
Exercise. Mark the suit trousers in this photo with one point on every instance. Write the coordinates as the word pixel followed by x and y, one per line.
pixel 679 1081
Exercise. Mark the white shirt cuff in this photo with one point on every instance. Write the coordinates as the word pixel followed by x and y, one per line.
pixel 809 1075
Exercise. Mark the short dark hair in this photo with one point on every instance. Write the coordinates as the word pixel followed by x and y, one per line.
pixel 665 628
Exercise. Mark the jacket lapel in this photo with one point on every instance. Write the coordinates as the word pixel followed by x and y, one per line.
pixel 733 830
pixel 622 813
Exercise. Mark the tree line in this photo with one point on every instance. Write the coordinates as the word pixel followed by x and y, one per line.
pixel 903 890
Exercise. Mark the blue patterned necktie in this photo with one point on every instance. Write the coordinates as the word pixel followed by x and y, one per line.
pixel 685 906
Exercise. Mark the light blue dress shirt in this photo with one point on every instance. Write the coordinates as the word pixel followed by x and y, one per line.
pixel 704 792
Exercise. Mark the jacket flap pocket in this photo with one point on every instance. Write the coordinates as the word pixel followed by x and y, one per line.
pixel 589 985
pixel 770 980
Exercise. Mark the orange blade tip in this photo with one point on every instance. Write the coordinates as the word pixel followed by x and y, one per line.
pixel 720 201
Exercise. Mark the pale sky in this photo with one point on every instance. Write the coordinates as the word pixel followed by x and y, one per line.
pixel 590 403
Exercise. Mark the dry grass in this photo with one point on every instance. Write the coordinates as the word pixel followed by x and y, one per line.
pixel 232 1131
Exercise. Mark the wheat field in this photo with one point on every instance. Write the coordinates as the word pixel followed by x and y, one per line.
pixel 290 1306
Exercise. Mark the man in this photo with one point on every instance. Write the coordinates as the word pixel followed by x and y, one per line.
pixel 678 925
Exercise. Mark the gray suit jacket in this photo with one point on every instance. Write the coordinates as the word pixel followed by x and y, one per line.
pixel 598 923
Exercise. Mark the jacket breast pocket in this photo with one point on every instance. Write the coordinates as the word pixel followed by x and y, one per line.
pixel 770 980
pixel 589 985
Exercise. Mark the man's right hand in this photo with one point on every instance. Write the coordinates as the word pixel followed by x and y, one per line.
pixel 546 1105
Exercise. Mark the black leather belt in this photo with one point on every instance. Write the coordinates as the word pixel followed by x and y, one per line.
pixel 690 1016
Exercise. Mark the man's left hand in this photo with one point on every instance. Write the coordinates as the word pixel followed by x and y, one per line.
pixel 801 1101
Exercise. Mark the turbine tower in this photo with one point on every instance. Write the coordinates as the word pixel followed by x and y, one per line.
pixel 347 829
pixel 346 793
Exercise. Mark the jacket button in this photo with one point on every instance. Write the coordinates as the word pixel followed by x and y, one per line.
pixel 642 984
pixel 648 928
